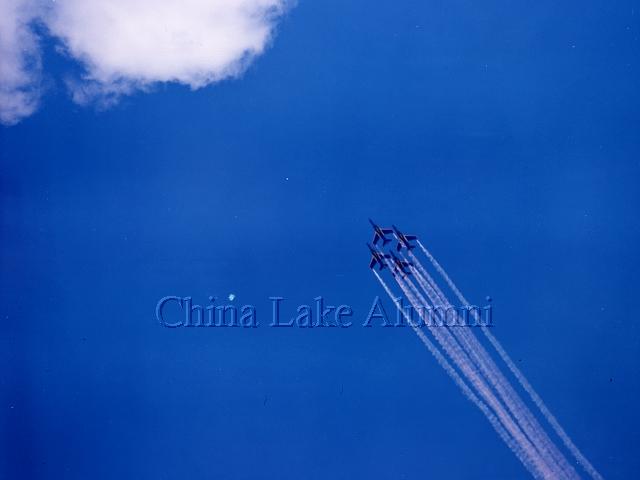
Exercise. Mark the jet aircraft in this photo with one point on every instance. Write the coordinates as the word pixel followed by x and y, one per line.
pixel 400 265
pixel 377 257
pixel 404 241
pixel 380 233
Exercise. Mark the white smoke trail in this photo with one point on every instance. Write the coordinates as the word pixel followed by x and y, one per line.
pixel 468 393
pixel 546 413
pixel 460 358
pixel 516 406
pixel 492 373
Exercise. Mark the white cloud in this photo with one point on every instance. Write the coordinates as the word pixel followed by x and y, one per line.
pixel 126 45
pixel 19 61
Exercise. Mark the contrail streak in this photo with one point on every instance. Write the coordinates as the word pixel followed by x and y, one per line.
pixel 546 413
pixel 460 358
pixel 489 369
pixel 468 393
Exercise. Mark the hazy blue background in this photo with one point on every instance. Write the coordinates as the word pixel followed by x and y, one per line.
pixel 505 134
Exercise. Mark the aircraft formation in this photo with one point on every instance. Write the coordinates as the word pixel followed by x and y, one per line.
pixel 469 362
pixel 379 257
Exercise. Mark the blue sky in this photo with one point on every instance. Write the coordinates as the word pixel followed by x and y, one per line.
pixel 504 134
